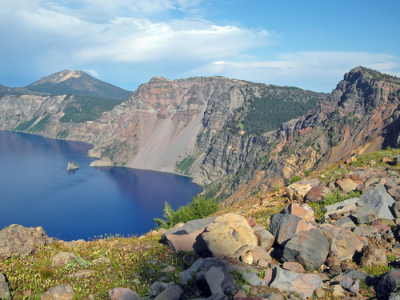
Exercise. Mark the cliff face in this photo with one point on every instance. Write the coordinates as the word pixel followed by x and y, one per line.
pixel 202 126
pixel 360 115
pixel 167 125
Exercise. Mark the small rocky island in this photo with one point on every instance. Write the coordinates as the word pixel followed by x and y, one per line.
pixel 72 166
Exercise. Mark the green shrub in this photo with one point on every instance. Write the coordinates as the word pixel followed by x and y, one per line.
pixel 199 208
pixel 295 179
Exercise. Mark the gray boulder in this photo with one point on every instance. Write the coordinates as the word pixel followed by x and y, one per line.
pixel 158 287
pixel 381 200
pixel 388 283
pixel 264 238
pixel 395 296
pixel 220 280
pixel 309 248
pixel 174 292
pixel 188 236
pixel 285 226
pixel 4 290
pixel 200 267
pixel 253 279
pixel 342 242
pixel 365 215
pixel 303 284
pixel 339 205
pixel 16 240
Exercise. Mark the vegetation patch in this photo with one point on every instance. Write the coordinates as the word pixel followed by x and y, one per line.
pixel 185 165
pixel 199 208
pixel 63 134
pixel 39 126
pixel 267 113
pixel 134 263
pixel 332 198
pixel 25 125
pixel 86 108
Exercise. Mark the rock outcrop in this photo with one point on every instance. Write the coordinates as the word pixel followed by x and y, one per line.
pixel 16 240
pixel 72 166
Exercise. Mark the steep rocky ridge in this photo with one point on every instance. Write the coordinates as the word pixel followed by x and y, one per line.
pixel 185 126
pixel 360 115
pixel 156 129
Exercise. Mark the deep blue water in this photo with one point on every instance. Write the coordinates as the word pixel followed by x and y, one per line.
pixel 36 190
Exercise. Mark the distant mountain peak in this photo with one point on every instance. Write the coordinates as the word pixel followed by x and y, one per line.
pixel 78 82
pixel 59 77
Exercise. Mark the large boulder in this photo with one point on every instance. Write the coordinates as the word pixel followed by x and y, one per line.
pixel 342 242
pixel 388 283
pixel 285 226
pixel 381 200
pixel 373 256
pixel 16 240
pixel 303 284
pixel 348 185
pixel 187 237
pixel 59 292
pixel 309 248
pixel 229 235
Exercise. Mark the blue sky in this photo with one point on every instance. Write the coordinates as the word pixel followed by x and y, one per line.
pixel 308 44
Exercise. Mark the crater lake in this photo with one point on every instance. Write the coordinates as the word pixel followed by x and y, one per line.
pixel 88 203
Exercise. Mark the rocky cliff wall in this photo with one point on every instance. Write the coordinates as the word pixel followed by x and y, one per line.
pixel 360 115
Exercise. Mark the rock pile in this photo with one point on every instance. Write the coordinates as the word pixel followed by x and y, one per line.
pixel 296 255
pixel 350 229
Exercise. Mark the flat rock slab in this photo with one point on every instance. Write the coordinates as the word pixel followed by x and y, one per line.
pixel 345 222
pixel 367 231
pixel 309 248
pixel 287 281
pixel 186 237
pixel 365 215
pixel 229 235
pixel 348 185
pixel 381 200
pixel 286 226
pixel 339 205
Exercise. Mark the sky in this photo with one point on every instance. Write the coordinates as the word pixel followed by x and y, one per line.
pixel 308 44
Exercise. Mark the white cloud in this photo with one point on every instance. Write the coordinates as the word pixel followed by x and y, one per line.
pixel 93 73
pixel 128 39
pixel 311 70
